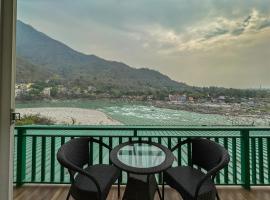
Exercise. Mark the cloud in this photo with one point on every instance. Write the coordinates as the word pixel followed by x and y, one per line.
pixel 204 35
pixel 224 43
pixel 163 26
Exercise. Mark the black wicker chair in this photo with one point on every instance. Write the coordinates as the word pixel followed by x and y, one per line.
pixel 198 183
pixel 87 182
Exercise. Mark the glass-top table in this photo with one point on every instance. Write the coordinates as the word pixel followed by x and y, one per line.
pixel 141 160
pixel 141 155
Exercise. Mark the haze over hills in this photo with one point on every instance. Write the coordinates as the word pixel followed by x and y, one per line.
pixel 40 57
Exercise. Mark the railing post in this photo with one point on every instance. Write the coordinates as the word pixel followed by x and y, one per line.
pixel 135 133
pixel 21 156
pixel 245 164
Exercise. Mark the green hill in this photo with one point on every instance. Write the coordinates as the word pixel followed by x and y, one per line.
pixel 28 72
pixel 40 57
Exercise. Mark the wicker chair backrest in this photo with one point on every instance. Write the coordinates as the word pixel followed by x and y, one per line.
pixel 76 152
pixel 207 154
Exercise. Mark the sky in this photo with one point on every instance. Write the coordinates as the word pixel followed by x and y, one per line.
pixel 202 43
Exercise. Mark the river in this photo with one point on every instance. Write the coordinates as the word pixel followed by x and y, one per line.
pixel 138 113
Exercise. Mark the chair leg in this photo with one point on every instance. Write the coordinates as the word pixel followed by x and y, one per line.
pixel 217 196
pixel 159 195
pixel 163 192
pixel 118 187
pixel 68 195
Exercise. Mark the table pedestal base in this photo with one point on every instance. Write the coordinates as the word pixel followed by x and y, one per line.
pixel 140 187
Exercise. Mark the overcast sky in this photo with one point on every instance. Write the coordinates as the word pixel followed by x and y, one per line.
pixel 208 42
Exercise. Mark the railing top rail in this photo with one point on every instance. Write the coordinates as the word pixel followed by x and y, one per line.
pixel 143 128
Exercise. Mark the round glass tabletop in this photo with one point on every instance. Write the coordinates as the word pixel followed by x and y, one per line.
pixel 141 155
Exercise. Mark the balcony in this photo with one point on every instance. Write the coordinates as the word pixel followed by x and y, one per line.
pixel 36 147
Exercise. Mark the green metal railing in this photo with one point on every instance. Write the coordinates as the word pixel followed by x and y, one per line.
pixel 36 148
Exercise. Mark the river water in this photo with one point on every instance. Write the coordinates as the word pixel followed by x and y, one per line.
pixel 143 114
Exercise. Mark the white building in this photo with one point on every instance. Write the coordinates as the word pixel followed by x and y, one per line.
pixel 47 91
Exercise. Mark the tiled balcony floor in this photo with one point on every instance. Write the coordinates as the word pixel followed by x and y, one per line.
pixel 56 192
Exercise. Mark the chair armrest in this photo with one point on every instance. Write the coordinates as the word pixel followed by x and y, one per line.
pixel 181 143
pixel 79 170
pixel 101 143
pixel 89 176
pixel 224 161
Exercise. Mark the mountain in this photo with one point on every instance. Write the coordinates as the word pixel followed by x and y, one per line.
pixel 28 72
pixel 40 57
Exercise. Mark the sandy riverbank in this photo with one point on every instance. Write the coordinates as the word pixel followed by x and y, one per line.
pixel 71 115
